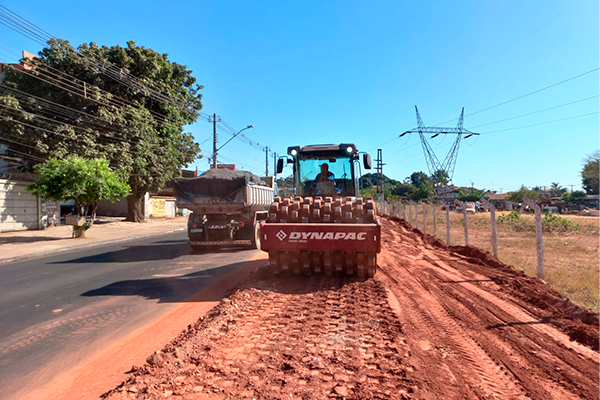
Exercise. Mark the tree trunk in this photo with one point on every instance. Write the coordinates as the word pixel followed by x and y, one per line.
pixel 135 205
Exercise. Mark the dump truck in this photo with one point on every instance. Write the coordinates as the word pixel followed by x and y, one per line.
pixel 226 207
pixel 326 227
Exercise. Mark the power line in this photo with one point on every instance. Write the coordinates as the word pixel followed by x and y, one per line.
pixel 526 94
pixel 539 111
pixel 542 123
pixel 30 156
pixel 522 82
pixel 59 123
pixel 31 31
pixel 383 144
pixel 503 51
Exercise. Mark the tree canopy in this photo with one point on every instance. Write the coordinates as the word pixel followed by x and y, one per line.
pixel 87 181
pixel 69 102
pixel 517 196
pixel 590 173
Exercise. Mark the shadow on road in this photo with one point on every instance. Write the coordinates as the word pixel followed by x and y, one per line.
pixel 159 250
pixel 19 239
pixel 184 288
pixel 135 254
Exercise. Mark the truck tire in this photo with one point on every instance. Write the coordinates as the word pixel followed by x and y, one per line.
pixel 256 236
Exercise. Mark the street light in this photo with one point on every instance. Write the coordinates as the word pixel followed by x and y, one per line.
pixel 217 150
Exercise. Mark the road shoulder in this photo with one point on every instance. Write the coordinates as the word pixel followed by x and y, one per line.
pixel 17 246
pixel 110 367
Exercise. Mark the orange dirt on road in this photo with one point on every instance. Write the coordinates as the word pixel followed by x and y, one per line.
pixel 436 322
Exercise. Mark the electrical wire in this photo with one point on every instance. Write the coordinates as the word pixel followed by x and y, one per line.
pixel 31 31
pixel 537 112
pixel 525 81
pixel 59 123
pixel 525 95
pixel 542 123
pixel 383 144
pixel 505 50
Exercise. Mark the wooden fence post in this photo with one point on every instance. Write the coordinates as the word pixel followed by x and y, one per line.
pixel 493 217
pixel 424 217
pixel 538 235
pixel 464 209
pixel 448 224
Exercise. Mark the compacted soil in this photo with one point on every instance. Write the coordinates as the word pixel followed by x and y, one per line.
pixel 436 322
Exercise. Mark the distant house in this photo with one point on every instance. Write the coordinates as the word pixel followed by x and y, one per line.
pixel 164 199
pixel 447 193
pixel 591 201
pixel 500 201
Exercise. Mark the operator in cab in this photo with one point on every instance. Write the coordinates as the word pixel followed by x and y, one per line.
pixel 325 175
pixel 325 181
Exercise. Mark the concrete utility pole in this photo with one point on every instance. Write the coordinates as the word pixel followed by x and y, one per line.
pixel 267 161
pixel 215 141
pixel 379 169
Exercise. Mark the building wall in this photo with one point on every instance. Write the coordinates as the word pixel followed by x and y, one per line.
pixel 116 209
pixel 19 209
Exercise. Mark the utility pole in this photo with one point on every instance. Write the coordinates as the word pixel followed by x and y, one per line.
pixel 274 165
pixel 380 164
pixel 267 161
pixel 214 141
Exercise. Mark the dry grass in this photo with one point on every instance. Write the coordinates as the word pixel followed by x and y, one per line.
pixel 571 259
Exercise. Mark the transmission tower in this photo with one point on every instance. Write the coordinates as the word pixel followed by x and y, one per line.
pixel 433 164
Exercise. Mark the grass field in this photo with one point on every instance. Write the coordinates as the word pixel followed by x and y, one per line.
pixel 571 255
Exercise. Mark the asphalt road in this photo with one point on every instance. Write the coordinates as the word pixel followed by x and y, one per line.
pixel 54 307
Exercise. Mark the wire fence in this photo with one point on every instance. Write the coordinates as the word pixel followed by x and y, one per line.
pixel 562 250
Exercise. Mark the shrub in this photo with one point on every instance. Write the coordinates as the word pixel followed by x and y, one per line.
pixel 553 223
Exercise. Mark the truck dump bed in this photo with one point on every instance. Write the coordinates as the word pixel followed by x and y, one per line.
pixel 226 207
pixel 222 190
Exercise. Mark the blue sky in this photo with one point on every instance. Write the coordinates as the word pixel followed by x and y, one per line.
pixel 352 71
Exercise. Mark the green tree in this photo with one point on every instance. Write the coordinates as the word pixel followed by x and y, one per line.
pixel 440 178
pixel 590 173
pixel 423 192
pixel 86 181
pixel 403 190
pixel 138 128
pixel 517 196
pixel 556 190
pixel 420 177
pixel 574 197
pixel 470 194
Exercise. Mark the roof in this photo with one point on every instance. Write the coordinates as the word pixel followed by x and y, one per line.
pixel 498 196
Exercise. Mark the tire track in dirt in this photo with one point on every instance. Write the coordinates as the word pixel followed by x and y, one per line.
pixel 485 378
pixel 538 359
pixel 433 324
pixel 285 338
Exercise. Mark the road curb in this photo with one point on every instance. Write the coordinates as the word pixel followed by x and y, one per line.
pixel 87 246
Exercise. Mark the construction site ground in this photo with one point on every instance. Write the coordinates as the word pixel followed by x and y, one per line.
pixel 436 322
